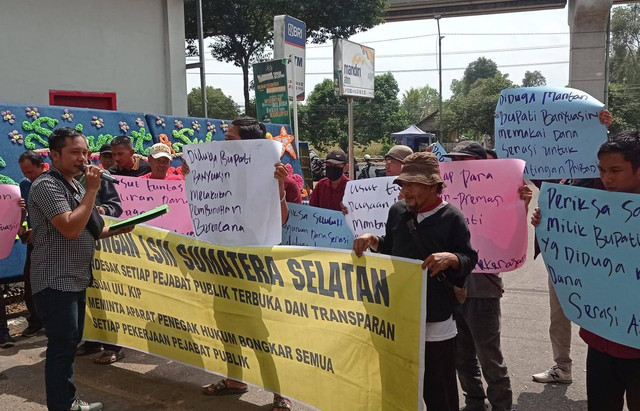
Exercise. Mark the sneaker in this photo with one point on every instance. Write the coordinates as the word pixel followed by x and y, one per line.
pixel 553 374
pixel 79 405
pixel 5 339
pixel 31 330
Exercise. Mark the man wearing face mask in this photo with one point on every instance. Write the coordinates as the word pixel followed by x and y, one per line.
pixel 329 191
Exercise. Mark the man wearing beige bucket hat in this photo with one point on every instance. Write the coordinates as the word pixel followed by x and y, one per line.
pixel 424 227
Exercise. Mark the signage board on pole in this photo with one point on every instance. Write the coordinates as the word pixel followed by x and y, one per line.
pixel 353 69
pixel 290 39
pixel 272 99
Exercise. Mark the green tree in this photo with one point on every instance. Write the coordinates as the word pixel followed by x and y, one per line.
pixel 473 114
pixel 479 69
pixel 625 45
pixel 375 119
pixel 418 103
pixel 533 79
pixel 218 105
pixel 624 104
pixel 242 29
pixel 323 119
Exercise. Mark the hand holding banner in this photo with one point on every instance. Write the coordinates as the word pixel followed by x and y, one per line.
pixel 555 130
pixel 232 194
pixel 590 241
pixel 10 214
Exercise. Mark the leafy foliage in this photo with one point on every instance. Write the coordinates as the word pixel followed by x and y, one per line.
pixel 218 105
pixel 533 79
pixel 418 103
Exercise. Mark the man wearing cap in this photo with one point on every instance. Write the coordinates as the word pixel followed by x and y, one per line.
pixel 424 227
pixel 329 191
pixel 160 160
pixel 478 323
pixel 394 159
pixel 106 156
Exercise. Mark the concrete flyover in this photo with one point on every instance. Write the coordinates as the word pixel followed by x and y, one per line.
pixel 587 21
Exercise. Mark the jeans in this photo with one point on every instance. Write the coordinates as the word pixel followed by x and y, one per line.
pixel 33 319
pixel 62 314
pixel 478 322
pixel 609 378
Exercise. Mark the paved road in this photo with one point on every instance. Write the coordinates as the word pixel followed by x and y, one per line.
pixel 145 382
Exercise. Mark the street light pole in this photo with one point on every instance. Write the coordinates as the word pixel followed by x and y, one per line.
pixel 437 17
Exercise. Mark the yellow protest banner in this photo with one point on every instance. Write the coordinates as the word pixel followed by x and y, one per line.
pixel 324 327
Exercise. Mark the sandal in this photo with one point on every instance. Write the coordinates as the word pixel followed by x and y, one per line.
pixel 109 357
pixel 221 389
pixel 85 349
pixel 280 402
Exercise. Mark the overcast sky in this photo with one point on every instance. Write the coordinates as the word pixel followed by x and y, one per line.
pixel 512 40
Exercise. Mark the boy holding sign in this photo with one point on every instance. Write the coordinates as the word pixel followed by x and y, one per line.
pixel 613 369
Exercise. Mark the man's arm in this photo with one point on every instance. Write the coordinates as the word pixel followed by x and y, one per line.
pixel 109 199
pixel 71 223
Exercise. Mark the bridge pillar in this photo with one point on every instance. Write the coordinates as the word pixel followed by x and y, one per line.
pixel 588 35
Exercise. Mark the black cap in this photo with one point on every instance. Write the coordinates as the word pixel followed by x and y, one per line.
pixel 337 157
pixel 468 149
pixel 105 148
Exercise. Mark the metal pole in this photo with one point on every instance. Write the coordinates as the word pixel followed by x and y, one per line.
pixel 350 153
pixel 607 71
pixel 295 104
pixel 440 137
pixel 203 80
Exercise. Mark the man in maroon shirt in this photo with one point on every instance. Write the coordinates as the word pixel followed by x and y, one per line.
pixel 613 369
pixel 329 191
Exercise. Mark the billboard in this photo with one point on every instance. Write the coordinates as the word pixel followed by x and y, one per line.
pixel 272 98
pixel 290 39
pixel 353 69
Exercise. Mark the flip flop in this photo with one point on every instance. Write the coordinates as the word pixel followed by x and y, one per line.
pixel 109 357
pixel 221 389
pixel 281 402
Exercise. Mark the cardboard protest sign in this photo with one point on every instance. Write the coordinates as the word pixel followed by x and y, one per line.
pixel 141 194
pixel 439 151
pixel 316 227
pixel 10 214
pixel 590 241
pixel 368 202
pixel 232 194
pixel 275 317
pixel 486 191
pixel 555 130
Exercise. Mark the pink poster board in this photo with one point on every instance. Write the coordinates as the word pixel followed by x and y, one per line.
pixel 9 217
pixel 486 191
pixel 143 194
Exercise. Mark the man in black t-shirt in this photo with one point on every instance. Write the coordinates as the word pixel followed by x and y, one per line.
pixel 126 163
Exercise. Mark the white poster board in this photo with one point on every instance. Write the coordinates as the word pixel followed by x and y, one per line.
pixel 368 202
pixel 232 194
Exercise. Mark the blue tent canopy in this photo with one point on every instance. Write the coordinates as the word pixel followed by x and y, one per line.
pixel 413 137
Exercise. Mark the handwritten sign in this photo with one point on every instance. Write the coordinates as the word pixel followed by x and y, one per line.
pixel 486 191
pixel 232 194
pixel 439 151
pixel 590 240
pixel 142 194
pixel 10 214
pixel 368 202
pixel 555 130
pixel 316 227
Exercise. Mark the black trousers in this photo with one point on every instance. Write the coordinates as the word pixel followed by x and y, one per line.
pixel 440 386
pixel 609 378
pixel 33 319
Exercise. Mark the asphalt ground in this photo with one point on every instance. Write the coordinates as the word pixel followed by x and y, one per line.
pixel 142 381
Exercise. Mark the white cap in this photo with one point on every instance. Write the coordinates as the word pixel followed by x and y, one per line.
pixel 160 150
